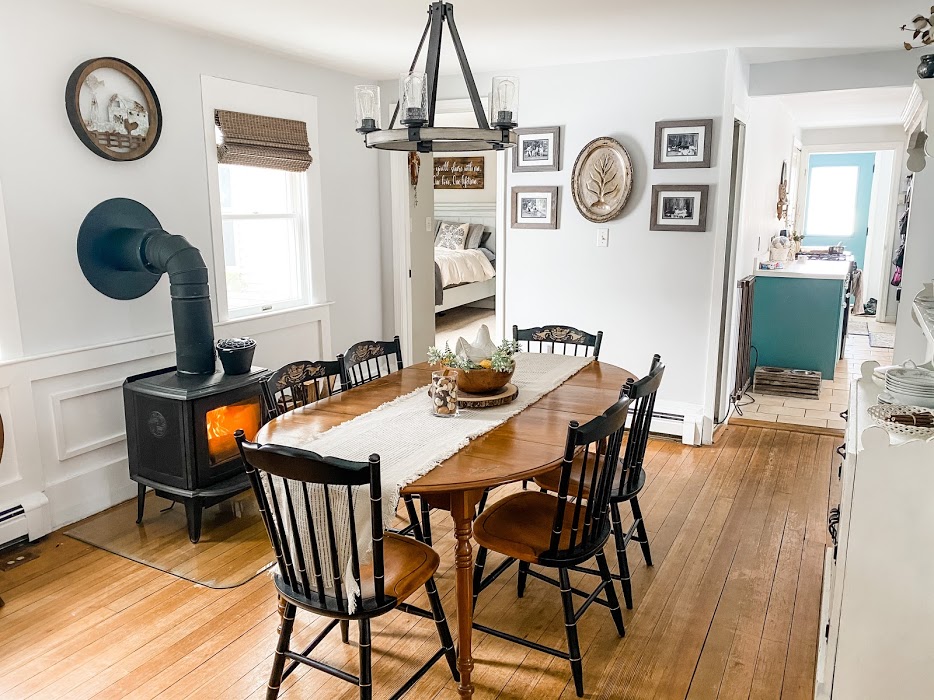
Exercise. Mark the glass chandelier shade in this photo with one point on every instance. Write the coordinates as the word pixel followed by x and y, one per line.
pixel 366 99
pixel 504 102
pixel 413 99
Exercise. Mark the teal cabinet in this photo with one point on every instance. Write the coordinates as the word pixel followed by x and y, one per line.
pixel 797 323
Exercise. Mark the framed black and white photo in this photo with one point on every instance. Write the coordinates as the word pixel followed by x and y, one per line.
pixel 535 207
pixel 537 150
pixel 683 144
pixel 679 208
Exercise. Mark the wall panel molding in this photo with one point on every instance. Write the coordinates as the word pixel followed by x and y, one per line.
pixel 66 450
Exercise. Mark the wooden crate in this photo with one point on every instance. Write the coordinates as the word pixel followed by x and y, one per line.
pixel 779 381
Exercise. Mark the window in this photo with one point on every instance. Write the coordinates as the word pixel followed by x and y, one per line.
pixel 265 238
pixel 831 205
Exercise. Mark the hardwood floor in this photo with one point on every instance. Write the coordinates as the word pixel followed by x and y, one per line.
pixel 730 609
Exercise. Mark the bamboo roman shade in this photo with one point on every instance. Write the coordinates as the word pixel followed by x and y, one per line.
pixel 262 142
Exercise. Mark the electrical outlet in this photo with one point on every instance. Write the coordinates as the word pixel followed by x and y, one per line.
pixel 603 237
pixel 427 224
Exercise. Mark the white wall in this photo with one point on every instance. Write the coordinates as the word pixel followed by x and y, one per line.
pixel 843 136
pixel 50 181
pixel 770 136
pixel 648 291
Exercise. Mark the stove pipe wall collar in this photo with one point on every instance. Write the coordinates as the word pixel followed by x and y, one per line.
pixel 123 252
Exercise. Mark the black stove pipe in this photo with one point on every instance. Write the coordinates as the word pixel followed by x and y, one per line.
pixel 191 298
pixel 123 252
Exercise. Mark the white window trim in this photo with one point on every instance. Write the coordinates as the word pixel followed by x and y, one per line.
pixel 217 93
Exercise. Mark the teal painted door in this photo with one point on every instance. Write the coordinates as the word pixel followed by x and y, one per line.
pixel 838 197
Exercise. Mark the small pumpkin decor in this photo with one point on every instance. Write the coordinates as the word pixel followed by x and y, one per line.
pixel 236 354
pixel 482 366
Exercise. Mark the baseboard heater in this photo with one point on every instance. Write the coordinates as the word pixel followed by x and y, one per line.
pixel 25 521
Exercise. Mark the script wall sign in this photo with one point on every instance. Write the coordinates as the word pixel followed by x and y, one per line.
pixel 459 173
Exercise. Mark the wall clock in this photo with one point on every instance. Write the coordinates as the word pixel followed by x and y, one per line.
pixel 113 109
pixel 602 180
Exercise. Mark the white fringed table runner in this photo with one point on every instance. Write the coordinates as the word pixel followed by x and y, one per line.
pixel 411 441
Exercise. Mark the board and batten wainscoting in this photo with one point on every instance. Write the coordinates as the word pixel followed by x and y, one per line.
pixel 65 452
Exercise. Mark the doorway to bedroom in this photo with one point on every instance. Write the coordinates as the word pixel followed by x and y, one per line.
pixel 466 188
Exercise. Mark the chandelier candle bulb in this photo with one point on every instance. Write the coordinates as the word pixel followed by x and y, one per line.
pixel 366 98
pixel 413 91
pixel 505 103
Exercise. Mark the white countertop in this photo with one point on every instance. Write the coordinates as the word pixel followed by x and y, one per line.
pixel 810 269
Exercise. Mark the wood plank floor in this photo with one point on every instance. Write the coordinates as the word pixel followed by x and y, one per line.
pixel 730 609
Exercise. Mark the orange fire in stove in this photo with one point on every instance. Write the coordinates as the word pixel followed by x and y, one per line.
pixel 223 422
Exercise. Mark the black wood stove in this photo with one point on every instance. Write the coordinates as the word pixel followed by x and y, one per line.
pixel 180 421
pixel 180 436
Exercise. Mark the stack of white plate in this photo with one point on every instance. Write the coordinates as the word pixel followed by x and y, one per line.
pixel 912 386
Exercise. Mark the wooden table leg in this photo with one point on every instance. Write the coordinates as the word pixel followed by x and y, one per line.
pixel 462 510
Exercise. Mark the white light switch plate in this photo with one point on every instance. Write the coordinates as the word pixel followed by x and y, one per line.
pixel 603 237
pixel 428 224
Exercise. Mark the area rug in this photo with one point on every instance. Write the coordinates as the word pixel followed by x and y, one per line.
pixel 855 327
pixel 882 340
pixel 233 549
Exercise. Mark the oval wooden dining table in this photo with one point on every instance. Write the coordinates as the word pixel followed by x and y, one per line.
pixel 524 446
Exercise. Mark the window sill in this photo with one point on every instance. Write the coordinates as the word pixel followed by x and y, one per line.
pixel 275 313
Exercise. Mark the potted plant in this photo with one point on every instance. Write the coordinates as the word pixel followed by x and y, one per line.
pixel 236 354
pixel 922 28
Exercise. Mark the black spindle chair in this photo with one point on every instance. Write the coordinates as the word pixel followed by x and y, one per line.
pixel 302 498
pixel 299 384
pixel 630 478
pixel 561 532
pixel 547 339
pixel 370 359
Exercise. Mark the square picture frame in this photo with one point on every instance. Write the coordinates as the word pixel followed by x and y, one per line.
pixel 679 208
pixel 535 207
pixel 684 143
pixel 538 150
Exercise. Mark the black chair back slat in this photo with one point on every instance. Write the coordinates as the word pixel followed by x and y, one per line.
pixel 642 393
pixel 376 516
pixel 336 570
pixel 568 337
pixel 354 554
pixel 299 384
pixel 289 572
pixel 370 359
pixel 598 442
pixel 299 551
pixel 296 543
pixel 313 540
pixel 255 481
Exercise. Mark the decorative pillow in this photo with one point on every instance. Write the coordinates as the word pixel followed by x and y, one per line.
pixel 452 235
pixel 490 255
pixel 473 236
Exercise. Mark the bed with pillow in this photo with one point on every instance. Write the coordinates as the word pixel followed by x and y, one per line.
pixel 465 258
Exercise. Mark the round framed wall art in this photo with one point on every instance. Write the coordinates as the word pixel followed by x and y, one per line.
pixel 601 181
pixel 113 109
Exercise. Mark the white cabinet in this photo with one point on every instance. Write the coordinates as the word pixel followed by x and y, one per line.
pixel 877 612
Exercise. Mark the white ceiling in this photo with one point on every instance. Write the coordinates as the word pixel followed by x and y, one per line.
pixel 865 107
pixel 376 38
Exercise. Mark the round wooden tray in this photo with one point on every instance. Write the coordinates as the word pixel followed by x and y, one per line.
pixel 499 397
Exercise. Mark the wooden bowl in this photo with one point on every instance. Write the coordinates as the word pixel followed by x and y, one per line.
pixel 482 381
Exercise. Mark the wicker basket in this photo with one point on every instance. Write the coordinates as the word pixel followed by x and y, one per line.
pixel 880 415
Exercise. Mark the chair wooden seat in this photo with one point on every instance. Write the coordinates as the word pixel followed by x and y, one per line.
pixel 407 566
pixel 520 526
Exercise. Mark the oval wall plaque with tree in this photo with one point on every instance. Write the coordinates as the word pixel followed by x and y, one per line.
pixel 602 179
pixel 113 109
